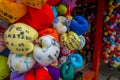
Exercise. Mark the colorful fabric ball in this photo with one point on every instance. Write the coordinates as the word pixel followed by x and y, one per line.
pixel 79 25
pixel 4 69
pixel 38 18
pixel 41 18
pixel 60 24
pixel 61 9
pixel 19 38
pixel 49 31
pixel 54 72
pixel 46 51
pixel 17 76
pixel 54 11
pixel 70 40
pixel 62 60
pixel 76 60
pixel 12 11
pixel 20 63
pixel 67 72
pixel 64 51
pixel 38 74
pixel 82 42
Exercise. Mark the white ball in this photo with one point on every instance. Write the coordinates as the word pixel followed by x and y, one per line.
pixel 47 51
pixel 20 63
pixel 60 24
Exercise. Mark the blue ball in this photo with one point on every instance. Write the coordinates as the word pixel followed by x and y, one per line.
pixel 54 11
pixel 76 60
pixel 79 25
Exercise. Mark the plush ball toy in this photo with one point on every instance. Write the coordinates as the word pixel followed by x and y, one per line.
pixel 12 11
pixel 76 60
pixel 61 9
pixel 38 18
pixel 60 24
pixel 49 31
pixel 19 38
pixel 54 11
pixel 4 70
pixel 79 25
pixel 64 51
pixel 2 43
pixel 70 40
pixel 68 2
pixel 82 42
pixel 67 72
pixel 41 18
pixel 62 60
pixel 115 61
pixel 38 74
pixel 54 72
pixel 17 76
pixel 20 63
pixel 53 2
pixel 47 51
pixel 34 3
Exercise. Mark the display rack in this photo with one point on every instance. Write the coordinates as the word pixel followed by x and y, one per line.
pixel 92 74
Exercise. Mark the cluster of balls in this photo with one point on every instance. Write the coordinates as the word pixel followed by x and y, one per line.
pixel 88 11
pixel 40 36
pixel 111 34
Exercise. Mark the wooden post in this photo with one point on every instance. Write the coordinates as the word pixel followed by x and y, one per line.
pixel 98 38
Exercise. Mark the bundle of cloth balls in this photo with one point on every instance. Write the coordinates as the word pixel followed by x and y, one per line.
pixel 111 34
pixel 38 39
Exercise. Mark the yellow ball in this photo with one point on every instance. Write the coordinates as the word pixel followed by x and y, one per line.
pixel 69 17
pixel 19 38
pixel 115 65
pixel 109 51
pixel 107 18
pixel 105 33
pixel 118 20
pixel 70 40
pixel 111 2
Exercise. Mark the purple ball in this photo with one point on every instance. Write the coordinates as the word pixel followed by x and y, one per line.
pixel 17 76
pixel 54 72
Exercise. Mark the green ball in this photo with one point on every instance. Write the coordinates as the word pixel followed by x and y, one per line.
pixel 4 69
pixel 61 9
